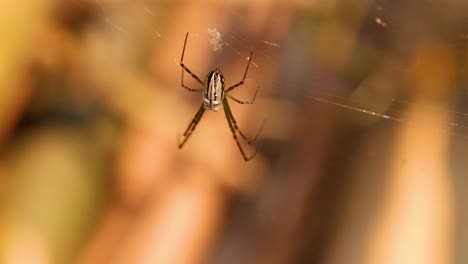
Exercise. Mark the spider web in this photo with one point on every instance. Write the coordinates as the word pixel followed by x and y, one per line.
pixel 226 44
pixel 222 41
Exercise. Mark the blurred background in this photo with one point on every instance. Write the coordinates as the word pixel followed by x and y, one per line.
pixel 362 158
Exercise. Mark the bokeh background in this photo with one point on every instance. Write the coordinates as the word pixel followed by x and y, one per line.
pixel 362 158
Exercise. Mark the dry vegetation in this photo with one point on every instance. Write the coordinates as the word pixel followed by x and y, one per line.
pixel 363 155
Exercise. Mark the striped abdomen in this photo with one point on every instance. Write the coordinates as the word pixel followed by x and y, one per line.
pixel 214 90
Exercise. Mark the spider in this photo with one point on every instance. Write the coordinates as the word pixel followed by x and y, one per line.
pixel 214 96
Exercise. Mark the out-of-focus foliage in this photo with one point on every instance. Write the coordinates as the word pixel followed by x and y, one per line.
pixel 362 158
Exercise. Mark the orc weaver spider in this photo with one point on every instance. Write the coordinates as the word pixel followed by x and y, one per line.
pixel 214 94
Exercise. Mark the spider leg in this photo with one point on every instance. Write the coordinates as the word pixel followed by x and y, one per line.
pixel 188 70
pixel 243 78
pixel 191 127
pixel 195 120
pixel 234 135
pixel 249 141
pixel 243 102
pixel 186 87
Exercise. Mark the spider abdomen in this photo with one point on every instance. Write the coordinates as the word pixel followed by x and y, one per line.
pixel 213 95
